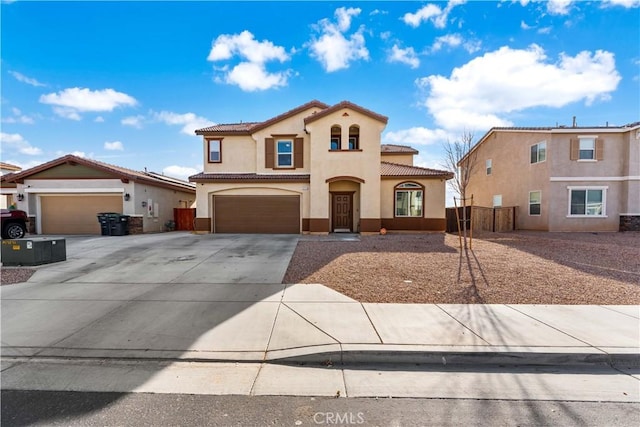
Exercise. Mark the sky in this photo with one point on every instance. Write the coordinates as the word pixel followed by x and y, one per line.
pixel 127 83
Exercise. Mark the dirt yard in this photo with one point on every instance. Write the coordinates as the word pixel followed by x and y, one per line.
pixel 502 268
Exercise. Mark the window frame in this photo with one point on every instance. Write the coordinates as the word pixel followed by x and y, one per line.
pixel 592 150
pixel 488 165
pixel 408 187
pixel 498 197
pixel 603 190
pixel 277 153
pixel 537 154
pixel 539 203
pixel 336 140
pixel 219 151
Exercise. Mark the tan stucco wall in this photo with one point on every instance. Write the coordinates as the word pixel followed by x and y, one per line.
pixel 402 159
pixel 238 155
pixel 364 165
pixel 512 175
pixel 165 199
pixel 631 203
pixel 434 197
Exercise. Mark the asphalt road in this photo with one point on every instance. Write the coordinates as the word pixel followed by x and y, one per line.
pixel 33 408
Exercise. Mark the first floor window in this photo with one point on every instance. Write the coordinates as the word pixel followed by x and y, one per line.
pixel 285 154
pixel 214 151
pixel 497 201
pixel 409 200
pixel 539 152
pixel 535 199
pixel 587 201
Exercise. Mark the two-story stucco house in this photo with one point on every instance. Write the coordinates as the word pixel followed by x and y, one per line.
pixel 561 178
pixel 317 169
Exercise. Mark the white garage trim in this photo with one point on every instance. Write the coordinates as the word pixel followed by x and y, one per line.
pixel 73 190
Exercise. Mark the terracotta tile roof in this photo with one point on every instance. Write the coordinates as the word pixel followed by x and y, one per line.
pixel 396 149
pixel 388 169
pixel 249 177
pixel 251 127
pixel 229 128
pixel 346 104
pixel 150 178
pixel 9 166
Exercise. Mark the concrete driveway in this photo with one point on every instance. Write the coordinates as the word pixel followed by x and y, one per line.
pixel 163 295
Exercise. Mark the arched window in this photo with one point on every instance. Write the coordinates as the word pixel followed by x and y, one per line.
pixel 336 136
pixel 409 200
pixel 354 137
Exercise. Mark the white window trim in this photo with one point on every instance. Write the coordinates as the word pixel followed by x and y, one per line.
pixel 408 189
pixel 494 200
pixel 583 187
pixel 277 162
pixel 488 166
pixel 538 152
pixel 540 203
pixel 595 138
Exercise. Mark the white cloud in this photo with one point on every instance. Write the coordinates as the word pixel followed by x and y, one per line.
pixel 525 26
pixel 453 41
pixel 544 30
pixel 416 135
pixel 433 13
pixel 134 121
pixel 251 77
pixel 182 172
pixel 70 102
pixel 478 94
pixel 113 146
pixel 18 117
pixel 251 74
pixel 559 7
pixel 16 142
pixel 624 3
pixel 190 121
pixel 247 47
pixel 333 48
pixel 99 119
pixel 24 79
pixel 80 154
pixel 406 56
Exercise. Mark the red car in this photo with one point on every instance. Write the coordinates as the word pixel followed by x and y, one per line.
pixel 14 223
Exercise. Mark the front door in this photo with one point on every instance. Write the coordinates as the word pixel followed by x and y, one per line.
pixel 342 212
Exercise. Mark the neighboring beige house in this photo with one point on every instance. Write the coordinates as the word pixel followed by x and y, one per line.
pixel 65 195
pixel 7 190
pixel 314 169
pixel 561 178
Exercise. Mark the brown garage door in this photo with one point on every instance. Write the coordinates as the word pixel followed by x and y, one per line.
pixel 76 214
pixel 256 214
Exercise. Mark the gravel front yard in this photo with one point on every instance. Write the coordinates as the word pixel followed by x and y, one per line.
pixel 502 268
pixel 10 275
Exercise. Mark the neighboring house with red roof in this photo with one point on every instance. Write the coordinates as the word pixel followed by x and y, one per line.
pixel 561 178
pixel 7 190
pixel 314 169
pixel 65 195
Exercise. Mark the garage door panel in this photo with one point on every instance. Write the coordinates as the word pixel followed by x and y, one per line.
pixel 76 214
pixel 257 214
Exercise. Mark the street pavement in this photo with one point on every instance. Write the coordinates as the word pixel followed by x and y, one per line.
pixel 208 314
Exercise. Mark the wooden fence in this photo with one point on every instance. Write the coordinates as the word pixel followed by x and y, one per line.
pixel 484 219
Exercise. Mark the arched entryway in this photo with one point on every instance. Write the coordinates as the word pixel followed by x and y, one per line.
pixel 344 204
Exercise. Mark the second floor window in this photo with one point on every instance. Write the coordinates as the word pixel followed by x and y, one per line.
pixel 354 138
pixel 539 152
pixel 285 153
pixel 215 153
pixel 335 143
pixel 488 166
pixel 587 149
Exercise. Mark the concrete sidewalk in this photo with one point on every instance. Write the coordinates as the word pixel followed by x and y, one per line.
pixel 303 323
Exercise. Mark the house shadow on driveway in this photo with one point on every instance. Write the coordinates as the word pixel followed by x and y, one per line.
pixel 171 296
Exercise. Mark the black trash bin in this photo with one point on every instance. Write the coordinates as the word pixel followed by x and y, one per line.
pixel 105 227
pixel 119 224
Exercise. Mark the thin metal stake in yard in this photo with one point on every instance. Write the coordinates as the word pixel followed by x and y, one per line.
pixel 458 221
pixel 471 224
